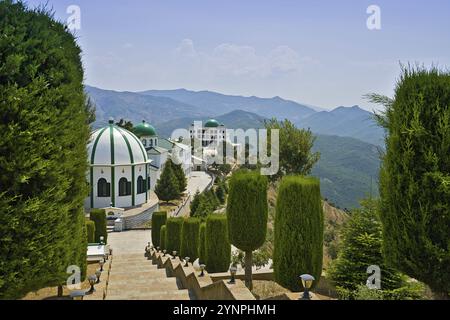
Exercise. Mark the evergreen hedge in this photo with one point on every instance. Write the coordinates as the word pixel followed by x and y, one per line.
pixel 190 238
pixel 43 157
pixel 217 244
pixel 173 234
pixel 99 218
pixel 158 220
pixel 163 238
pixel 201 245
pixel 414 178
pixel 247 212
pixel 90 230
pixel 299 227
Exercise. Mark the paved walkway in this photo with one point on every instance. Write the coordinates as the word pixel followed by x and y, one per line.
pixel 133 276
pixel 198 180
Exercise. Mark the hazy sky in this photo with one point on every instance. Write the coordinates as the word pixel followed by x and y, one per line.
pixel 316 52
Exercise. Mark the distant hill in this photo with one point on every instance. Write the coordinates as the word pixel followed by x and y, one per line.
pixel 217 104
pixel 346 168
pixel 345 122
pixel 137 107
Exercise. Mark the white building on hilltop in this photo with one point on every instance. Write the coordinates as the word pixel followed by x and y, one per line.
pixel 119 174
pixel 211 132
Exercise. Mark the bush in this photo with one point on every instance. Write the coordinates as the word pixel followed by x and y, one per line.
pixel 414 178
pixel 201 244
pixel 158 220
pixel 217 244
pixel 44 132
pixel 90 230
pixel 247 213
pixel 299 226
pixel 163 237
pixel 173 234
pixel 190 238
pixel 99 218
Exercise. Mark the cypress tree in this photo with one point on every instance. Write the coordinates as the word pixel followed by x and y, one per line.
pixel 180 176
pixel 190 238
pixel 414 178
pixel 194 203
pixel 43 158
pixel 101 230
pixel 217 244
pixel 201 245
pixel 299 227
pixel 158 220
pixel 167 187
pixel 90 230
pixel 173 234
pixel 247 213
pixel 361 248
pixel 163 237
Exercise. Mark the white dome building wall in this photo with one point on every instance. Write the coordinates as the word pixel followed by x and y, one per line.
pixel 115 153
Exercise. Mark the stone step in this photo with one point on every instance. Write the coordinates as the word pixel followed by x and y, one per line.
pixel 117 265
pixel 150 295
pixel 155 274
pixel 117 286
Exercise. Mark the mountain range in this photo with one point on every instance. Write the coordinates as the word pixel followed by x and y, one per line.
pixel 348 139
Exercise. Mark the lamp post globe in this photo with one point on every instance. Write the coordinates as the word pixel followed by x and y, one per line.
pixel 307 282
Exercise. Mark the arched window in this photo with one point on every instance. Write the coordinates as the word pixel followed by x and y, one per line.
pixel 144 142
pixel 151 142
pixel 140 185
pixel 124 187
pixel 103 188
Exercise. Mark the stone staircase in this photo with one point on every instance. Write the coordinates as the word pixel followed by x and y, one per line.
pixel 134 277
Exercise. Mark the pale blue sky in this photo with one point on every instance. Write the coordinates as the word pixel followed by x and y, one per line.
pixel 316 52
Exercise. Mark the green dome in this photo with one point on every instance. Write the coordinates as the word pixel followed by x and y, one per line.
pixel 144 130
pixel 211 124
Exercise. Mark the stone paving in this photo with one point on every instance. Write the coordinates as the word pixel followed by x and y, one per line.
pixel 198 180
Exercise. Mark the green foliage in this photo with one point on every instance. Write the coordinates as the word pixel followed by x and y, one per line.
pixel 247 210
pixel 295 147
pixel 411 291
pixel 217 244
pixel 158 220
pixel 167 187
pixel 415 178
pixel 195 203
pixel 179 174
pixel 90 230
pixel 173 235
pixel 125 124
pixel 99 218
pixel 163 237
pixel 361 248
pixel 299 228
pixel 202 243
pixel 190 238
pixel 43 158
pixel 220 193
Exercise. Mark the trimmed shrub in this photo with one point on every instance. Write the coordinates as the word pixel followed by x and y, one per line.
pixel 190 238
pixel 217 244
pixel 414 178
pixel 44 132
pixel 247 213
pixel 163 237
pixel 90 230
pixel 299 227
pixel 158 220
pixel 99 218
pixel 201 244
pixel 173 234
